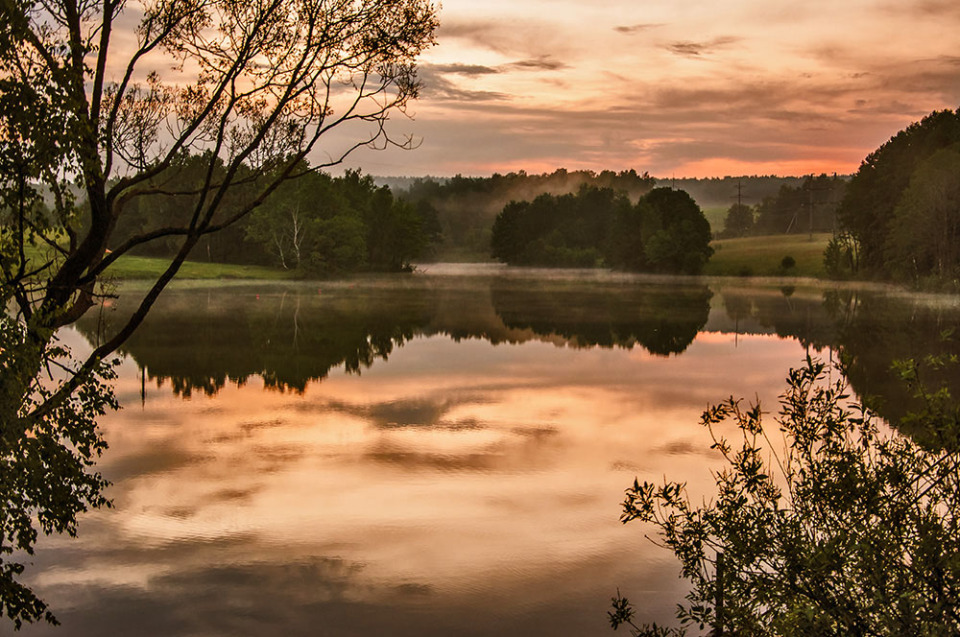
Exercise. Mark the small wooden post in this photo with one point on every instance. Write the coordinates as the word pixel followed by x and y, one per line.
pixel 718 608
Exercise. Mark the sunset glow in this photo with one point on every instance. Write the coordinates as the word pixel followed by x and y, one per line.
pixel 685 89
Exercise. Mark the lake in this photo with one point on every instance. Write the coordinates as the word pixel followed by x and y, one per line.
pixel 442 453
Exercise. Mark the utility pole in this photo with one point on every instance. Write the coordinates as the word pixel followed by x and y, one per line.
pixel 811 203
pixel 740 196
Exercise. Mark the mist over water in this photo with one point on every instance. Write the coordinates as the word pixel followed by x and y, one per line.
pixel 443 453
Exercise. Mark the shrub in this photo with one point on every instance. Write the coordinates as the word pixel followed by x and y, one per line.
pixel 847 530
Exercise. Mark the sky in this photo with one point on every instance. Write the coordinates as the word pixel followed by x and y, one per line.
pixel 682 88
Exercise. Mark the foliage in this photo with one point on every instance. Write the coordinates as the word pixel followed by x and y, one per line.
pixel 841 256
pixel 868 210
pixel 738 222
pixel 716 192
pixel 675 234
pixel 466 207
pixel 321 225
pixel 664 232
pixel 565 231
pixel 47 457
pixel 93 142
pixel 925 230
pixel 809 207
pixel 849 530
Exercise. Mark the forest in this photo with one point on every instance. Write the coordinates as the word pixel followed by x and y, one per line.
pixel 664 232
pixel 466 207
pixel 900 217
pixel 315 224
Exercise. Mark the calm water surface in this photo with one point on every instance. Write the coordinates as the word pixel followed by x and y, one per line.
pixel 437 454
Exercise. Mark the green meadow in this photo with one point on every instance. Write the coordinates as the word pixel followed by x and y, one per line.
pixel 764 256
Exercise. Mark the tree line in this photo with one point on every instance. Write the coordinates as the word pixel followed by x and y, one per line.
pixel 810 206
pixel 316 224
pixel 665 231
pixel 466 207
pixel 900 217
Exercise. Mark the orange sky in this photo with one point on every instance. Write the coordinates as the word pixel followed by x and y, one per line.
pixel 674 87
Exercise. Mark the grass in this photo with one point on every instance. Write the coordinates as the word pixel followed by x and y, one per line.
pixel 716 217
pixel 132 268
pixel 762 256
pixel 129 267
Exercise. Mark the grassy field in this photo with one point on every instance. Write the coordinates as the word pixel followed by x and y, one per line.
pixel 762 256
pixel 716 217
pixel 132 268
pixel 128 267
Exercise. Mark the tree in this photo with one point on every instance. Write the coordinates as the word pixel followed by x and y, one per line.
pixel 849 530
pixel 281 223
pixel 675 233
pixel 664 232
pixel 248 91
pixel 866 213
pixel 925 231
pixel 739 221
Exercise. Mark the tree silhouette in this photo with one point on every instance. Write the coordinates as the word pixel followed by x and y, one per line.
pixel 89 128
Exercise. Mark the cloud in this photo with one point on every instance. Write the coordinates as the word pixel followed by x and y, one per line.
pixel 526 38
pixel 544 63
pixel 438 88
pixel 925 8
pixel 495 36
pixel 632 29
pixel 696 49
pixel 461 69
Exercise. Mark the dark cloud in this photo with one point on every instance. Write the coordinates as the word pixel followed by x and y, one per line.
pixel 537 64
pixel 877 107
pixel 431 72
pixel 437 87
pixel 495 36
pixel 637 28
pixel 696 49
pixel 651 127
pixel 461 69
pixel 901 80
pixel 926 8
pixel 686 448
pixel 533 39
pixel 165 459
pixel 468 30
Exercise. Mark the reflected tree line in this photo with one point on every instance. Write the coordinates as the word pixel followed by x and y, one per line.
pixel 871 335
pixel 198 340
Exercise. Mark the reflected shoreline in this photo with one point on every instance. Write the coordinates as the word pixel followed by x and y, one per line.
pixel 447 454
pixel 199 337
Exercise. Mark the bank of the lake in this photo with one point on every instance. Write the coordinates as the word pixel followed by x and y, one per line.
pixel 743 257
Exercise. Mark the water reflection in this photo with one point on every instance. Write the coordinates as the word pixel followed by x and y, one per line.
pixel 467 481
pixel 289 335
pixel 662 319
